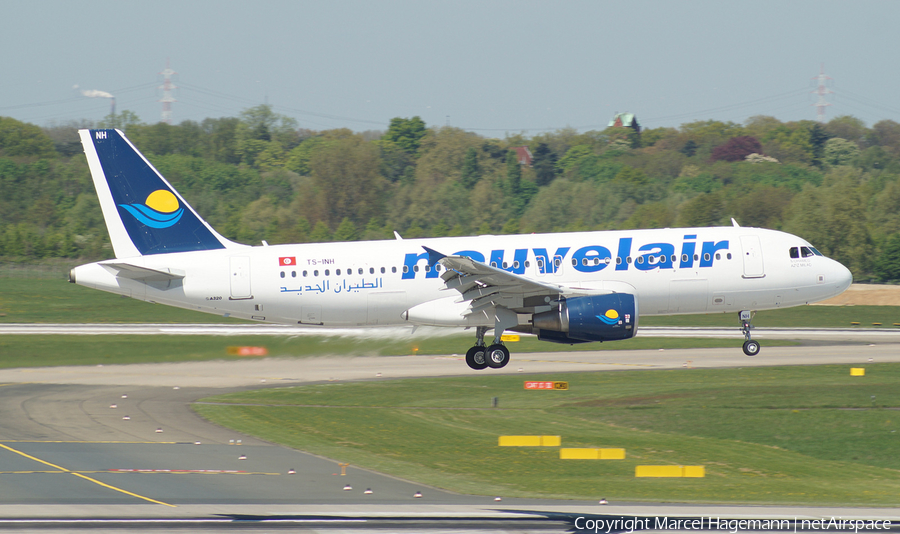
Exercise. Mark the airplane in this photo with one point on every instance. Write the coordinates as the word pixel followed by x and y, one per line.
pixel 575 287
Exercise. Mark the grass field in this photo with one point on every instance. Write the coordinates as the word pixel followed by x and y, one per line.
pixel 810 435
pixel 24 300
pixel 52 350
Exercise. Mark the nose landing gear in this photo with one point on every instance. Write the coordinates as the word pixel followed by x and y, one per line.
pixel 751 348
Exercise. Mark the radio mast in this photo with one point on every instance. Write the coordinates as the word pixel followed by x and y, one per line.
pixel 822 90
pixel 167 97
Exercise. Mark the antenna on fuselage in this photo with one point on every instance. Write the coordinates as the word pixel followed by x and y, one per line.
pixel 734 223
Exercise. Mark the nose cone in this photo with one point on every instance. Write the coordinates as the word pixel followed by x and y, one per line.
pixel 841 277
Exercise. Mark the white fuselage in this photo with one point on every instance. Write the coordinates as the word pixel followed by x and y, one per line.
pixel 671 271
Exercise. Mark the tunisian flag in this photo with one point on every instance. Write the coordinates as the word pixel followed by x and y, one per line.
pixel 288 261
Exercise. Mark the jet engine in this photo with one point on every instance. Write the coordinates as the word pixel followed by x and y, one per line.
pixel 592 318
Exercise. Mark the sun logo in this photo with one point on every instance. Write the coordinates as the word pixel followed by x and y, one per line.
pixel 160 210
pixel 611 317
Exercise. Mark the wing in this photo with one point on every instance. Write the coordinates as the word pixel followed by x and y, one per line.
pixel 489 287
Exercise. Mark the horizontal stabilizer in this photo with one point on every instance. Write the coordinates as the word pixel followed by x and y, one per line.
pixel 134 272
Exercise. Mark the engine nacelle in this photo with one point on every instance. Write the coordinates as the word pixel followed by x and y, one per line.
pixel 595 318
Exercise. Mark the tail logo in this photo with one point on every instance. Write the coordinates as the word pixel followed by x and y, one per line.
pixel 160 210
pixel 611 317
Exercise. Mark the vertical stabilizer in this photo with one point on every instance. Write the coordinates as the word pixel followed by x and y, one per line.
pixel 143 212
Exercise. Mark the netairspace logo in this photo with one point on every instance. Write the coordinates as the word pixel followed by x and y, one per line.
pixel 628 525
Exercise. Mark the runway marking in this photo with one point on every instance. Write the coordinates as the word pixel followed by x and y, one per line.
pixel 30 457
pixel 94 442
pixel 590 363
pixel 79 475
pixel 126 492
pixel 145 471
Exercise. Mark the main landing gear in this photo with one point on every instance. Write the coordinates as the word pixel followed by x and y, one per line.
pixel 751 348
pixel 480 356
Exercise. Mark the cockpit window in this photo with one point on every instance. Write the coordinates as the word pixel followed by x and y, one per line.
pixel 795 252
pixel 805 252
pixel 815 251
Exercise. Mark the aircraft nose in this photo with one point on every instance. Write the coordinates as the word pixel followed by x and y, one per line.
pixel 842 277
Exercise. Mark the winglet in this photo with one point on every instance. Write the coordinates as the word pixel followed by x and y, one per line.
pixel 434 256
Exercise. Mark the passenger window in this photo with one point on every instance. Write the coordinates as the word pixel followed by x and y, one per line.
pixel 628 259
pixel 382 270
pixel 293 274
pixel 416 268
pixel 371 270
pixel 557 262
pixel 706 257
pixel 304 274
pixel 282 274
pixel 728 256
pixel 618 260
pixel 527 263
pixel 327 272
pixel 641 259
pixel 394 269
pixel 795 252
pixel 316 272
pixel 684 258
pixel 337 272
pixel 718 256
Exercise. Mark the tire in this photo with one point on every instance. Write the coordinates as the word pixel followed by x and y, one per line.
pixel 497 356
pixel 751 348
pixel 475 358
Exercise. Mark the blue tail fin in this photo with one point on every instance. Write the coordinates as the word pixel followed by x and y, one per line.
pixel 143 212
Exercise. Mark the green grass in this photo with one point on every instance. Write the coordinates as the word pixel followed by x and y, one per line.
pixel 24 300
pixel 805 434
pixel 52 350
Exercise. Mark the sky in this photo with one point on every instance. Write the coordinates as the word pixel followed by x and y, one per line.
pixel 494 67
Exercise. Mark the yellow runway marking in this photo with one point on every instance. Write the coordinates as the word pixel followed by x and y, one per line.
pixel 30 457
pixel 79 475
pixel 126 492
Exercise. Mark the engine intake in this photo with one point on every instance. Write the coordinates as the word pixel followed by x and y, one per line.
pixel 595 318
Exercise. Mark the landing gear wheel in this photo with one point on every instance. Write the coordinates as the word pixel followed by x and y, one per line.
pixel 497 356
pixel 475 358
pixel 751 348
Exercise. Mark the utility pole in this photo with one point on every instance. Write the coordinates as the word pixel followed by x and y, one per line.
pixel 167 97
pixel 822 90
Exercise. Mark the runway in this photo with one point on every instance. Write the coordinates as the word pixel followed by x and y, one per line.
pixel 121 443
pixel 884 334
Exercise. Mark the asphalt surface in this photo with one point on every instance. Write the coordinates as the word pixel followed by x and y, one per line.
pixel 118 448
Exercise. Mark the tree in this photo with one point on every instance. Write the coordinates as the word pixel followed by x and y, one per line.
pixel 346 231
pixel 346 174
pixel 887 266
pixel 513 173
pixel 20 139
pixel 840 152
pixel 736 149
pixel 406 133
pixel 544 164
pixel 471 171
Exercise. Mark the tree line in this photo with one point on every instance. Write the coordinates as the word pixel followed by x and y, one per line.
pixel 260 176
